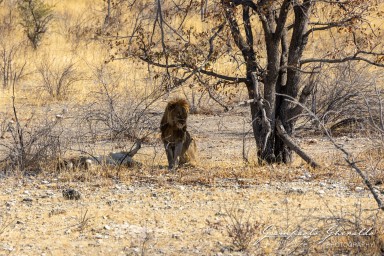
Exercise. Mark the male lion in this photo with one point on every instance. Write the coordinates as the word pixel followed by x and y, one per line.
pixel 180 147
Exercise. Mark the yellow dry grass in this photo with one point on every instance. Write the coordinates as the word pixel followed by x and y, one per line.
pixel 182 213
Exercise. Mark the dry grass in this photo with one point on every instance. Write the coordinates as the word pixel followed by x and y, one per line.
pixel 219 206
pixel 172 218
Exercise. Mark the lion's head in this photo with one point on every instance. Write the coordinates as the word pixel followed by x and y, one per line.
pixel 177 112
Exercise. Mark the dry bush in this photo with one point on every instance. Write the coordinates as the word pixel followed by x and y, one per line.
pixel 374 106
pixel 58 78
pixel 242 231
pixel 358 232
pixel 113 11
pixel 35 17
pixel 77 27
pixel 238 226
pixel 351 231
pixel 11 70
pixel 118 111
pixel 5 124
pixel 337 99
pixel 11 48
pixel 373 157
pixel 33 145
pixel 31 148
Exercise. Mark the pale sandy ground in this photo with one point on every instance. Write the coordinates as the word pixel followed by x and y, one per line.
pixel 168 219
pixel 164 214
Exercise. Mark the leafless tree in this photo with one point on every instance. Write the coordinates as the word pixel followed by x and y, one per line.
pixel 266 46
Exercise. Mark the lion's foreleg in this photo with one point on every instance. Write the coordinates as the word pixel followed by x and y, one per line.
pixel 169 152
pixel 178 149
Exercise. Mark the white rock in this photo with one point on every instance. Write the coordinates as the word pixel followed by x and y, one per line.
pixel 296 190
pixel 7 247
pixel 99 236
pixel 359 189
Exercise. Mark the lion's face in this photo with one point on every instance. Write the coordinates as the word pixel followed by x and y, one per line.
pixel 178 116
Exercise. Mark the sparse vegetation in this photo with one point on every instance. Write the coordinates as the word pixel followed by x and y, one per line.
pixel 58 79
pixel 36 16
pixel 83 169
pixel 242 231
pixel 32 145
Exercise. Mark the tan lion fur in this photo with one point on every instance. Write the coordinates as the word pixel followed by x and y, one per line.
pixel 174 134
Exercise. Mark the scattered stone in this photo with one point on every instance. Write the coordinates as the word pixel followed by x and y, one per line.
pixel 359 189
pixel 71 194
pixel 220 214
pixel 50 193
pixel 322 184
pixel 56 212
pixel 10 204
pixel 321 192
pixel 110 202
pixel 296 190
pixel 27 200
pixel 107 227
pixel 7 247
pixel 175 236
pixel 100 236
pixel 307 176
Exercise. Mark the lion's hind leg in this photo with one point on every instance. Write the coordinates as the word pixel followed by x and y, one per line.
pixel 189 156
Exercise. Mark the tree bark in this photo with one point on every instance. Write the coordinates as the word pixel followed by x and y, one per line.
pixel 292 145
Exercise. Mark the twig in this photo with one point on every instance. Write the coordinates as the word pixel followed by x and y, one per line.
pixel 347 156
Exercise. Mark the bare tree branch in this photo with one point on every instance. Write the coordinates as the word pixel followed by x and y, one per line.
pixel 292 145
pixel 347 156
pixel 205 72
pixel 349 58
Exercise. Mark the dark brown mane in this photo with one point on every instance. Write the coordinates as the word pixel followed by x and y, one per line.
pixel 179 102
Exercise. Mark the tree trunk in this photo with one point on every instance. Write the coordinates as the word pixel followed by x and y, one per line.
pixel 270 147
